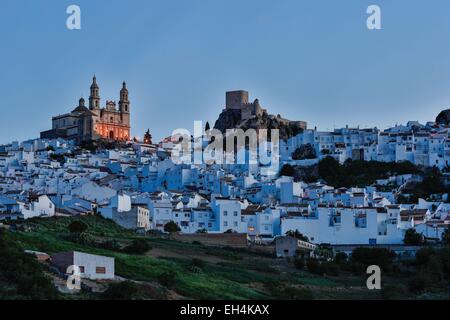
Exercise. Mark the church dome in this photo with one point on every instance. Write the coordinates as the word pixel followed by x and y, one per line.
pixel 81 109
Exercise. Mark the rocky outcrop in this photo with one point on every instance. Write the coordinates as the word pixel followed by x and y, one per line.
pixel 228 119
pixel 231 118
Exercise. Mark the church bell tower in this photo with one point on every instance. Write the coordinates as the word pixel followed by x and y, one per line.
pixel 94 97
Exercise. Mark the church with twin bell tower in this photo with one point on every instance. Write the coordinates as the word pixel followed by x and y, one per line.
pixel 85 124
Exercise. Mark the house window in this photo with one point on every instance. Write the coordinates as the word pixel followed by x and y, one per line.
pixel 81 269
pixel 225 213
pixel 225 224
pixel 235 213
pixel 100 270
pixel 235 224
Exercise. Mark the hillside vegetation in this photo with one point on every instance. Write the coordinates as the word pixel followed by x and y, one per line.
pixel 177 270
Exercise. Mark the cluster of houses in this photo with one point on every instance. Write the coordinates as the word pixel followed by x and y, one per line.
pixel 140 187
pixel 424 145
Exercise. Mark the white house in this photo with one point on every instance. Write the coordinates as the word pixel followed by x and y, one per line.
pixel 91 266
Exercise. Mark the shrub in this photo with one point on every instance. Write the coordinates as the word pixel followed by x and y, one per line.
pixel 444 254
pixel 434 269
pixel 412 237
pixel 314 266
pixel 287 170
pixel 423 256
pixel 418 283
pixel 331 268
pixel 199 263
pixel 126 290
pixel 293 293
pixel 171 227
pixel 305 151
pixel 138 246
pixel 77 227
pixel 299 263
pixel 110 245
pixel 167 279
pixel 394 292
pixel 21 276
pixel 340 258
pixel 365 257
pixel 446 237
pixel 282 292
pixel 297 234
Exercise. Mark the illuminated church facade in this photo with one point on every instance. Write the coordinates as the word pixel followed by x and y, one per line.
pixel 94 122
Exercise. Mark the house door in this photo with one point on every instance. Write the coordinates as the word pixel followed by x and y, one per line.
pixel 111 134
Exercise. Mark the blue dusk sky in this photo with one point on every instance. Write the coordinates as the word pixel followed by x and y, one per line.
pixel 311 60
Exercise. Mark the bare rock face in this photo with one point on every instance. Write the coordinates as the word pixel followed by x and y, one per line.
pixel 231 119
pixel 228 119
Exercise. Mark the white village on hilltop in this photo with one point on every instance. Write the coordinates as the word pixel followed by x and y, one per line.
pixel 137 185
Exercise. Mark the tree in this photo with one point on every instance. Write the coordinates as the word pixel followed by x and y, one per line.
pixel 171 227
pixel 305 151
pixel 365 257
pixel 21 275
pixel 298 235
pixel 340 258
pixel 77 227
pixel 446 237
pixel 287 170
pixel 413 238
pixel 331 171
pixel 207 127
pixel 125 290
pixel 148 137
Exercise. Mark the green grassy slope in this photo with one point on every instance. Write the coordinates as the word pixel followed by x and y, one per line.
pixel 225 273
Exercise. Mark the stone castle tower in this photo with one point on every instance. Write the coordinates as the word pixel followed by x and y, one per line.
pixel 238 100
